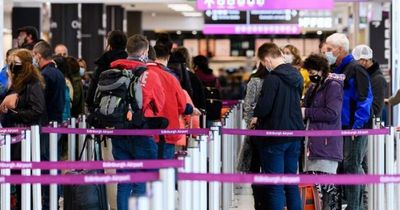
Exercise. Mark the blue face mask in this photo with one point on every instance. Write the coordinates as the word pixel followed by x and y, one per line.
pixel 82 72
pixel 331 58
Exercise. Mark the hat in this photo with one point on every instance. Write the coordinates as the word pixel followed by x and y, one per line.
pixel 31 31
pixel 362 52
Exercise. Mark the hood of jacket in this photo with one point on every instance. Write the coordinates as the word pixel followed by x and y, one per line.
pixel 289 75
pixel 126 64
pixel 374 69
pixel 108 57
pixel 339 78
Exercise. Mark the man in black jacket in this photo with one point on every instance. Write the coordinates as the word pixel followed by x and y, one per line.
pixel 363 55
pixel 116 50
pixel 278 108
pixel 55 99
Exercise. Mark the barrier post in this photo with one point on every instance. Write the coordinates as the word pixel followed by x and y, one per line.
pixel 398 168
pixel 185 187
pixel 167 176
pixel 26 157
pixel 226 161
pixel 54 158
pixel 72 141
pixel 194 153
pixel 390 169
pixel 6 188
pixel 215 166
pixel 371 170
pixel 82 124
pixel 139 203
pixel 37 189
pixel 156 195
pixel 203 169
pixel 375 169
pixel 381 167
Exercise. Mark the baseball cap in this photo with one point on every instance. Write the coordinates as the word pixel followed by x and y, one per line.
pixel 30 30
pixel 362 52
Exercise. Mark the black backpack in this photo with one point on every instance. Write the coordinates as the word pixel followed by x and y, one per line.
pixel 118 92
pixel 213 102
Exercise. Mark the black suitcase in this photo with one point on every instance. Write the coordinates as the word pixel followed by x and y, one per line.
pixel 86 197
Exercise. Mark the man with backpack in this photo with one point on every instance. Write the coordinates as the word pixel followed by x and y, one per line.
pixel 134 103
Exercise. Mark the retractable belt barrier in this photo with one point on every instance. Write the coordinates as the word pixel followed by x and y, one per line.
pixel 218 146
pixel 92 165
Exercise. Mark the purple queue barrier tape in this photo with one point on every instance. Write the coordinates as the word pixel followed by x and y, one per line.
pixel 125 132
pixel 93 165
pixel 12 130
pixel 14 140
pixel 81 179
pixel 302 133
pixel 280 179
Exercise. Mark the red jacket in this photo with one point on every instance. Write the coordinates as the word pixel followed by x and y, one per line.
pixel 175 100
pixel 152 90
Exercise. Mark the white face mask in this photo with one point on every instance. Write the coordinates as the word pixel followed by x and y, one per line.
pixel 331 58
pixel 35 63
pixel 82 71
pixel 288 58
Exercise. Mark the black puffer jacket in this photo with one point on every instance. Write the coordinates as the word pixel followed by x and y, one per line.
pixel 31 107
pixel 102 64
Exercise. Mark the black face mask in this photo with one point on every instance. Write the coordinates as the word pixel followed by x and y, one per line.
pixel 15 69
pixel 315 79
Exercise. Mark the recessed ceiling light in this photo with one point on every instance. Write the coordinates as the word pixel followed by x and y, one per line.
pixel 192 14
pixel 181 7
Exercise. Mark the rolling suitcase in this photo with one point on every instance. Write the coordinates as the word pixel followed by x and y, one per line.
pixel 87 197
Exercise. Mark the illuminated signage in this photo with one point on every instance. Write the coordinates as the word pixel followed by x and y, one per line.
pixel 264 4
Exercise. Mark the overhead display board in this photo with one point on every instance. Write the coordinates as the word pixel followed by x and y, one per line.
pixel 264 4
pixel 225 17
pixel 251 22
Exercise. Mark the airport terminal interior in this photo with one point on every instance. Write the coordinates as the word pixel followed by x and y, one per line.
pixel 199 104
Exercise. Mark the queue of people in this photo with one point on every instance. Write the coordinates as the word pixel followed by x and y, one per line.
pixel 336 89
pixel 346 91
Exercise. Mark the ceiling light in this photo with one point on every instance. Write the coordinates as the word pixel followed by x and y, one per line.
pixel 192 14
pixel 319 32
pixel 181 7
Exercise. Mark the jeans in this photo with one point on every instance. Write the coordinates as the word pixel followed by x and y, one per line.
pixel 279 159
pixel 132 148
pixel 354 152
pixel 169 151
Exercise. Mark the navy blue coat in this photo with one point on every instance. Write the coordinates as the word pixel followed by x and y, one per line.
pixel 278 107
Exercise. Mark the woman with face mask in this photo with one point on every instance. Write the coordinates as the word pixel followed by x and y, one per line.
pixel 322 111
pixel 292 56
pixel 27 84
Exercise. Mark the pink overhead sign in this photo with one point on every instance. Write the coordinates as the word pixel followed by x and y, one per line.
pixel 264 4
pixel 251 29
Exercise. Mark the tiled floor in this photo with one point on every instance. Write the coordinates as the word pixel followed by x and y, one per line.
pixel 243 199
